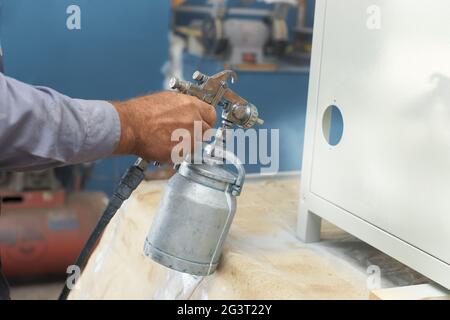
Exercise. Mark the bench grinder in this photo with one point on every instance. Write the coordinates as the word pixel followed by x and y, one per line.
pixel 196 210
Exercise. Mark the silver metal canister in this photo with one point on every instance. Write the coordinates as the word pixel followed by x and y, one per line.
pixel 194 217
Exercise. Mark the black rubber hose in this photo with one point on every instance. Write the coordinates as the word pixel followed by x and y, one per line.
pixel 128 183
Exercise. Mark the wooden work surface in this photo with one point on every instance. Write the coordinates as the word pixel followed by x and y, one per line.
pixel 262 259
pixel 418 292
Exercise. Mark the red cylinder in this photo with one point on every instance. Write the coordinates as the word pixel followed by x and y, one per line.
pixel 42 233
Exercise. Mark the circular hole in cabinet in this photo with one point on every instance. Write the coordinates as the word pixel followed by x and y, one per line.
pixel 333 125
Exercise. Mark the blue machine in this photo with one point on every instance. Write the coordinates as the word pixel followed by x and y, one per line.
pixel 280 96
pixel 117 54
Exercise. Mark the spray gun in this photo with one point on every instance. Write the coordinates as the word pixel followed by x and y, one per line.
pixel 199 203
pixel 214 91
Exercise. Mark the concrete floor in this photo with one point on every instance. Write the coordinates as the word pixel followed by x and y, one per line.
pixel 38 291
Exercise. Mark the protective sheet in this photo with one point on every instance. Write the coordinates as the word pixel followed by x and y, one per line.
pixel 262 258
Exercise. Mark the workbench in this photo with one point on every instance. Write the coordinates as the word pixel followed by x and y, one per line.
pixel 262 258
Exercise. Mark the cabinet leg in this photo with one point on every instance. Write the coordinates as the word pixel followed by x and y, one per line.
pixel 308 227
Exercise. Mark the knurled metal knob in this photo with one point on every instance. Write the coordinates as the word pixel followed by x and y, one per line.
pixel 254 117
pixel 174 83
pixel 198 76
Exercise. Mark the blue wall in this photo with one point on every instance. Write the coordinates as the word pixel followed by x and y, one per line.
pixel 117 54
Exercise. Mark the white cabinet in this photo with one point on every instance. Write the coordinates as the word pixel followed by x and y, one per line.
pixel 386 65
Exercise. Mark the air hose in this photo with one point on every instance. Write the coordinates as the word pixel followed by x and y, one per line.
pixel 128 183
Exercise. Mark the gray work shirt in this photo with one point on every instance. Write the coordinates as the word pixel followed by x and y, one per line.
pixel 41 128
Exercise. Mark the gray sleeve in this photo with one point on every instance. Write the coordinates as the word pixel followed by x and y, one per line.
pixel 41 128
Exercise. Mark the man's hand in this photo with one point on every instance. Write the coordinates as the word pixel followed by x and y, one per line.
pixel 147 123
